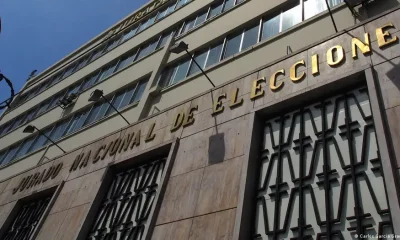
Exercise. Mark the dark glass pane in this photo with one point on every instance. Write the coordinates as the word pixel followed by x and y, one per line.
pixel 10 154
pixel 74 89
pixel 116 101
pixel 201 60
pixel 43 107
pixel 82 62
pixel 291 17
pixel 139 92
pixel 103 109
pixel 170 9
pixel 166 76
pixel 106 71
pixel 56 79
pixel 41 140
pixel 232 45
pixel 151 20
pixel 43 86
pixel 92 115
pixel 215 10
pixel 142 26
pixel 30 115
pixel 214 55
pixel 59 130
pixel 77 122
pixel 125 61
pixel 239 1
pixel 180 3
pixel 228 4
pixel 161 14
pixel 164 39
pixel 5 128
pixel 152 47
pixel 23 150
pixel 2 154
pixel 113 43
pixel 143 51
pixel 250 37
pixel 200 19
pixel 270 27
pixel 54 101
pixel 188 25
pixel 128 34
pixel 127 98
pixel 69 71
pixel 97 53
pixel 89 81
pixel 181 72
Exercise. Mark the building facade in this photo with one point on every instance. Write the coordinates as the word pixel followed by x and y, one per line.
pixel 298 139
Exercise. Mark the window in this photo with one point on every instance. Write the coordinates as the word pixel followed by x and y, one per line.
pixel 103 110
pixel 54 101
pixel 89 81
pixel 127 98
pixel 73 89
pixel 2 154
pixel 229 4
pixel 93 113
pixel 113 43
pixel 180 3
pixel 128 34
pixel 214 55
pixel 43 107
pixel 43 86
pixel 107 71
pixel 10 154
pixel 59 130
pixel 250 37
pixel 188 25
pixel 41 140
pixel 96 53
pixel 232 45
pixel 115 102
pixel 125 61
pixel 76 122
pixel 162 14
pixel 147 49
pixel 215 10
pixel 313 7
pixel 23 150
pixel 69 71
pixel 30 115
pixel 4 129
pixel 164 39
pixel 200 19
pixel 57 78
pixel 82 62
pixel 170 9
pixel 143 25
pixel 181 72
pixel 139 91
pixel 271 27
pixel 201 60
pixel 291 17
pixel 167 75
pixel 151 20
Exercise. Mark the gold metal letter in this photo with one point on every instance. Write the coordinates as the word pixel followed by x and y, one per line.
pixel 272 80
pixel 293 74
pixel 136 139
pixel 384 37
pixel 188 120
pixel 150 136
pixel 234 99
pixel 340 55
pixel 315 64
pixel 256 90
pixel 364 47
pixel 178 120
pixel 218 108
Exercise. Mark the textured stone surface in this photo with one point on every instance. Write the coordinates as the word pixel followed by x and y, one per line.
pixel 180 197
pixel 219 187
pixel 74 218
pixel 173 231
pixel 215 226
pixel 388 74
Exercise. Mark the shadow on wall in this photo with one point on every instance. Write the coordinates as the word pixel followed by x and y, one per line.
pixel 216 148
pixel 376 7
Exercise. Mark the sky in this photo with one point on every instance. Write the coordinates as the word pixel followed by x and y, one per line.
pixel 37 33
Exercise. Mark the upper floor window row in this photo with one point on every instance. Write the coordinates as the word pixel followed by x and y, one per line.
pixel 102 49
pixel 244 38
pixel 214 10
pixel 87 82
pixel 121 99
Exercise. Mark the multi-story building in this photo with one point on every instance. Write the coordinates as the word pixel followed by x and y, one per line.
pixel 289 129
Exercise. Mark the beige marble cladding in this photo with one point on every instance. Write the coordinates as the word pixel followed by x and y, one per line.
pixel 203 189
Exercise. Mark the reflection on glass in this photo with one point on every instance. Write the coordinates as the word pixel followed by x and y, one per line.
pixel 181 72
pixel 200 59
pixel 214 55
pixel 250 37
pixel 232 45
pixel 291 17
pixel 215 10
pixel 139 92
pixel 313 7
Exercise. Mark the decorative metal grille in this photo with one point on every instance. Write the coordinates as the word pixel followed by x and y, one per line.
pixel 320 173
pixel 27 219
pixel 125 211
